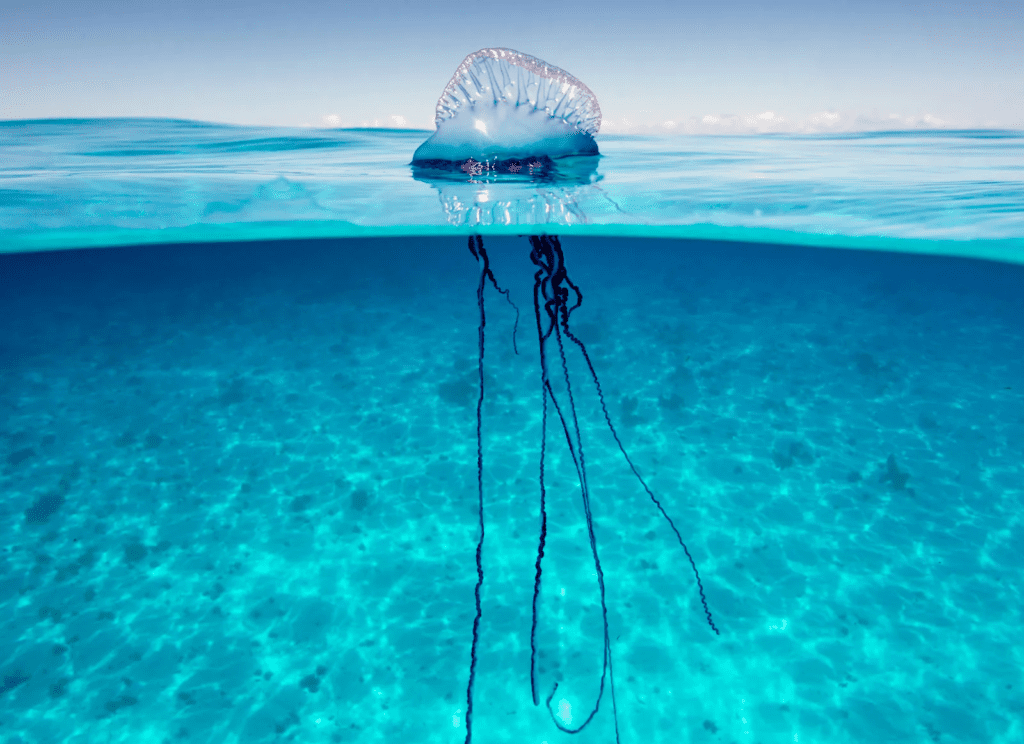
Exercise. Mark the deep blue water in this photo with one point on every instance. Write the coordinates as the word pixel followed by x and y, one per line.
pixel 238 479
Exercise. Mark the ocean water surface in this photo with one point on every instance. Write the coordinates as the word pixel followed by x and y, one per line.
pixel 239 388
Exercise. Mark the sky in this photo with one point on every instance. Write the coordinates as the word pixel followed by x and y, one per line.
pixel 654 66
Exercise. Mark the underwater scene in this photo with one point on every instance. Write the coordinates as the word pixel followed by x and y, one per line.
pixel 510 432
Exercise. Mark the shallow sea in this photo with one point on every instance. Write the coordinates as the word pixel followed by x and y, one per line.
pixel 238 444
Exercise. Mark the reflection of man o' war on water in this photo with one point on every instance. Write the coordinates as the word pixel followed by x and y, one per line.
pixel 501 111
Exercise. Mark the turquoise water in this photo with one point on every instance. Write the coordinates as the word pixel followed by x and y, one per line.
pixel 238 455
pixel 125 182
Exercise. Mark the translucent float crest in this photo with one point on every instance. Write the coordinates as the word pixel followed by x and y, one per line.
pixel 511 77
pixel 502 106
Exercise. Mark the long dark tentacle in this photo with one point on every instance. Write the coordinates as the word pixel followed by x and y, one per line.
pixel 549 284
pixel 622 449
pixel 481 256
pixel 538 291
pixel 546 394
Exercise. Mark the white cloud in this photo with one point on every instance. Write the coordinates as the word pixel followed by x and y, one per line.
pixel 826 118
pixel 773 121
pixel 899 121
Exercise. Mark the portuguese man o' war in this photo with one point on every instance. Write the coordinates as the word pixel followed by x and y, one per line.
pixel 501 111
pixel 504 109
